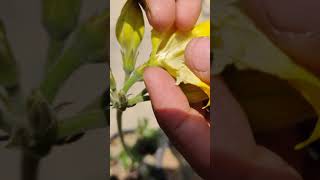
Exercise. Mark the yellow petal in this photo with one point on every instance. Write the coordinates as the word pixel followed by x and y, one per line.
pixel 169 54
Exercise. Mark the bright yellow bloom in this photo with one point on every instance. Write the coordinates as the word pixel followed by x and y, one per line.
pixel 168 52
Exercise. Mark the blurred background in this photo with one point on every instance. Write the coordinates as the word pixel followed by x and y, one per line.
pixel 87 158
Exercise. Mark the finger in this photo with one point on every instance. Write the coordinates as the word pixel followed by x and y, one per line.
pixel 186 128
pixel 162 90
pixel 197 57
pixel 160 13
pixel 187 13
pixel 235 153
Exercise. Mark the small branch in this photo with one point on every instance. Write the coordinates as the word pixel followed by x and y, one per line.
pixel 137 99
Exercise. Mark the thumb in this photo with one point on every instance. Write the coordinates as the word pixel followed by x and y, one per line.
pixel 197 57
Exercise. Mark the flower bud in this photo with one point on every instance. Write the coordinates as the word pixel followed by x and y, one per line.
pixel 60 17
pixel 129 33
pixel 8 67
pixel 40 115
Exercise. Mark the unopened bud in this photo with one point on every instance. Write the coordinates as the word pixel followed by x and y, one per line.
pixel 60 17
pixel 129 32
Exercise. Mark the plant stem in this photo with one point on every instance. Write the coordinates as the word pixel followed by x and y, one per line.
pixel 30 166
pixel 58 74
pixel 135 77
pixel 137 99
pixel 54 50
pixel 119 122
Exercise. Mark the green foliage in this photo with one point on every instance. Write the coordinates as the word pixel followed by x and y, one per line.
pixel 8 67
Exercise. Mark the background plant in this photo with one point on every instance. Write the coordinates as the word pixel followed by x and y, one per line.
pixel 31 122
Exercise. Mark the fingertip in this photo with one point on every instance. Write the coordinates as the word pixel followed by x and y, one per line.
pixel 197 57
pixel 187 14
pixel 163 91
pixel 161 14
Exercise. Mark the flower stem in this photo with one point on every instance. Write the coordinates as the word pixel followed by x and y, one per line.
pixel 135 77
pixel 54 50
pixel 58 74
pixel 119 122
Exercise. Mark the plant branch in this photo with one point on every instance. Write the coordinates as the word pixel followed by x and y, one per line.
pixel 137 99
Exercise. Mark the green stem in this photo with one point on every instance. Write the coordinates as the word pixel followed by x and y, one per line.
pixel 135 77
pixel 141 97
pixel 138 99
pixel 54 50
pixel 81 123
pixel 58 74
pixel 119 122
pixel 30 166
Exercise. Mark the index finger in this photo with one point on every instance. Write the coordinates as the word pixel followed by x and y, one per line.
pixel 160 13
pixel 187 13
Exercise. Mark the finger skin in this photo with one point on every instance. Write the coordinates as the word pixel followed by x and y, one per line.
pixel 161 13
pixel 185 127
pixel 235 152
pixel 197 57
pixel 187 13
pixel 287 24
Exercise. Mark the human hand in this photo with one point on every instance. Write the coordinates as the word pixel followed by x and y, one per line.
pixel 291 26
pixel 163 14
pixel 187 128
pixel 234 150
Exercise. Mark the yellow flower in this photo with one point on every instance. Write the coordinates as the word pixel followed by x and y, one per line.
pixel 241 44
pixel 168 52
